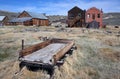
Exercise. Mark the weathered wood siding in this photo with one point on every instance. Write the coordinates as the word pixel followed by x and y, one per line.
pixel 36 21
pixel 44 22
pixel 76 17
pixel 28 23
pixel 24 14
pixel 40 22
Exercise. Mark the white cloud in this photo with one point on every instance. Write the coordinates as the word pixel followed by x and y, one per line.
pixel 62 7
pixel 27 8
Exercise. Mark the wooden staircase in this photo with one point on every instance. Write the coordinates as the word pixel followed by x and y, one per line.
pixel 74 21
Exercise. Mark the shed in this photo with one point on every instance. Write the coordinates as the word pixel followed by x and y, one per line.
pixel 93 24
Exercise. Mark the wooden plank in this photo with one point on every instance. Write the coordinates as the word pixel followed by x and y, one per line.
pixel 45 54
pixel 33 48
pixel 62 52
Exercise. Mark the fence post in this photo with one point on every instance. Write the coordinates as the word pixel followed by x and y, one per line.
pixel 22 44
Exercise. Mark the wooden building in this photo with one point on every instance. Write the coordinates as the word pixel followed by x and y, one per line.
pixel 27 21
pixel 3 20
pixel 76 17
pixel 30 19
pixel 94 14
pixel 7 16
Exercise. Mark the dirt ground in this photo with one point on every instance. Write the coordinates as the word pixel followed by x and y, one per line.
pixel 97 55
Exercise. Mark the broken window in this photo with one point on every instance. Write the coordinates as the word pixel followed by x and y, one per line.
pixel 88 15
pixel 71 16
pixel 93 16
pixel 98 15
pixel 79 14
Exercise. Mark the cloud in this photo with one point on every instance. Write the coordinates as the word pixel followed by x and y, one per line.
pixel 27 8
pixel 61 7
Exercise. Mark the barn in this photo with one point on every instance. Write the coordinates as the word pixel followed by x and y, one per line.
pixel 76 17
pixel 3 20
pixel 94 15
pixel 30 19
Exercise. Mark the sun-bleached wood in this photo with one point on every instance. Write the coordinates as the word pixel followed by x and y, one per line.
pixel 45 54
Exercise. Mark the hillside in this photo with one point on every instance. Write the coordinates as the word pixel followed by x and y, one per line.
pixel 111 18
pixel 108 18
pixel 56 18
pixel 10 15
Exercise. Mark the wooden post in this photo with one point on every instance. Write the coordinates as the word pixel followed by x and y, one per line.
pixel 22 44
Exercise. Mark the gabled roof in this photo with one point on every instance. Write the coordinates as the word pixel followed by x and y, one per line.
pixel 37 15
pixel 74 9
pixel 23 19
pixel 2 17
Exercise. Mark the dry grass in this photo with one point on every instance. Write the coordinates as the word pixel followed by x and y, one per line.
pixel 110 54
pixel 97 55
pixel 112 41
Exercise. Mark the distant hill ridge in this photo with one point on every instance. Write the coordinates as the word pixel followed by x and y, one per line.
pixel 6 11
pixel 112 18
pixel 10 15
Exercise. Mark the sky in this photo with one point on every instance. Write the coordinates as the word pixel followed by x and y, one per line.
pixel 58 7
